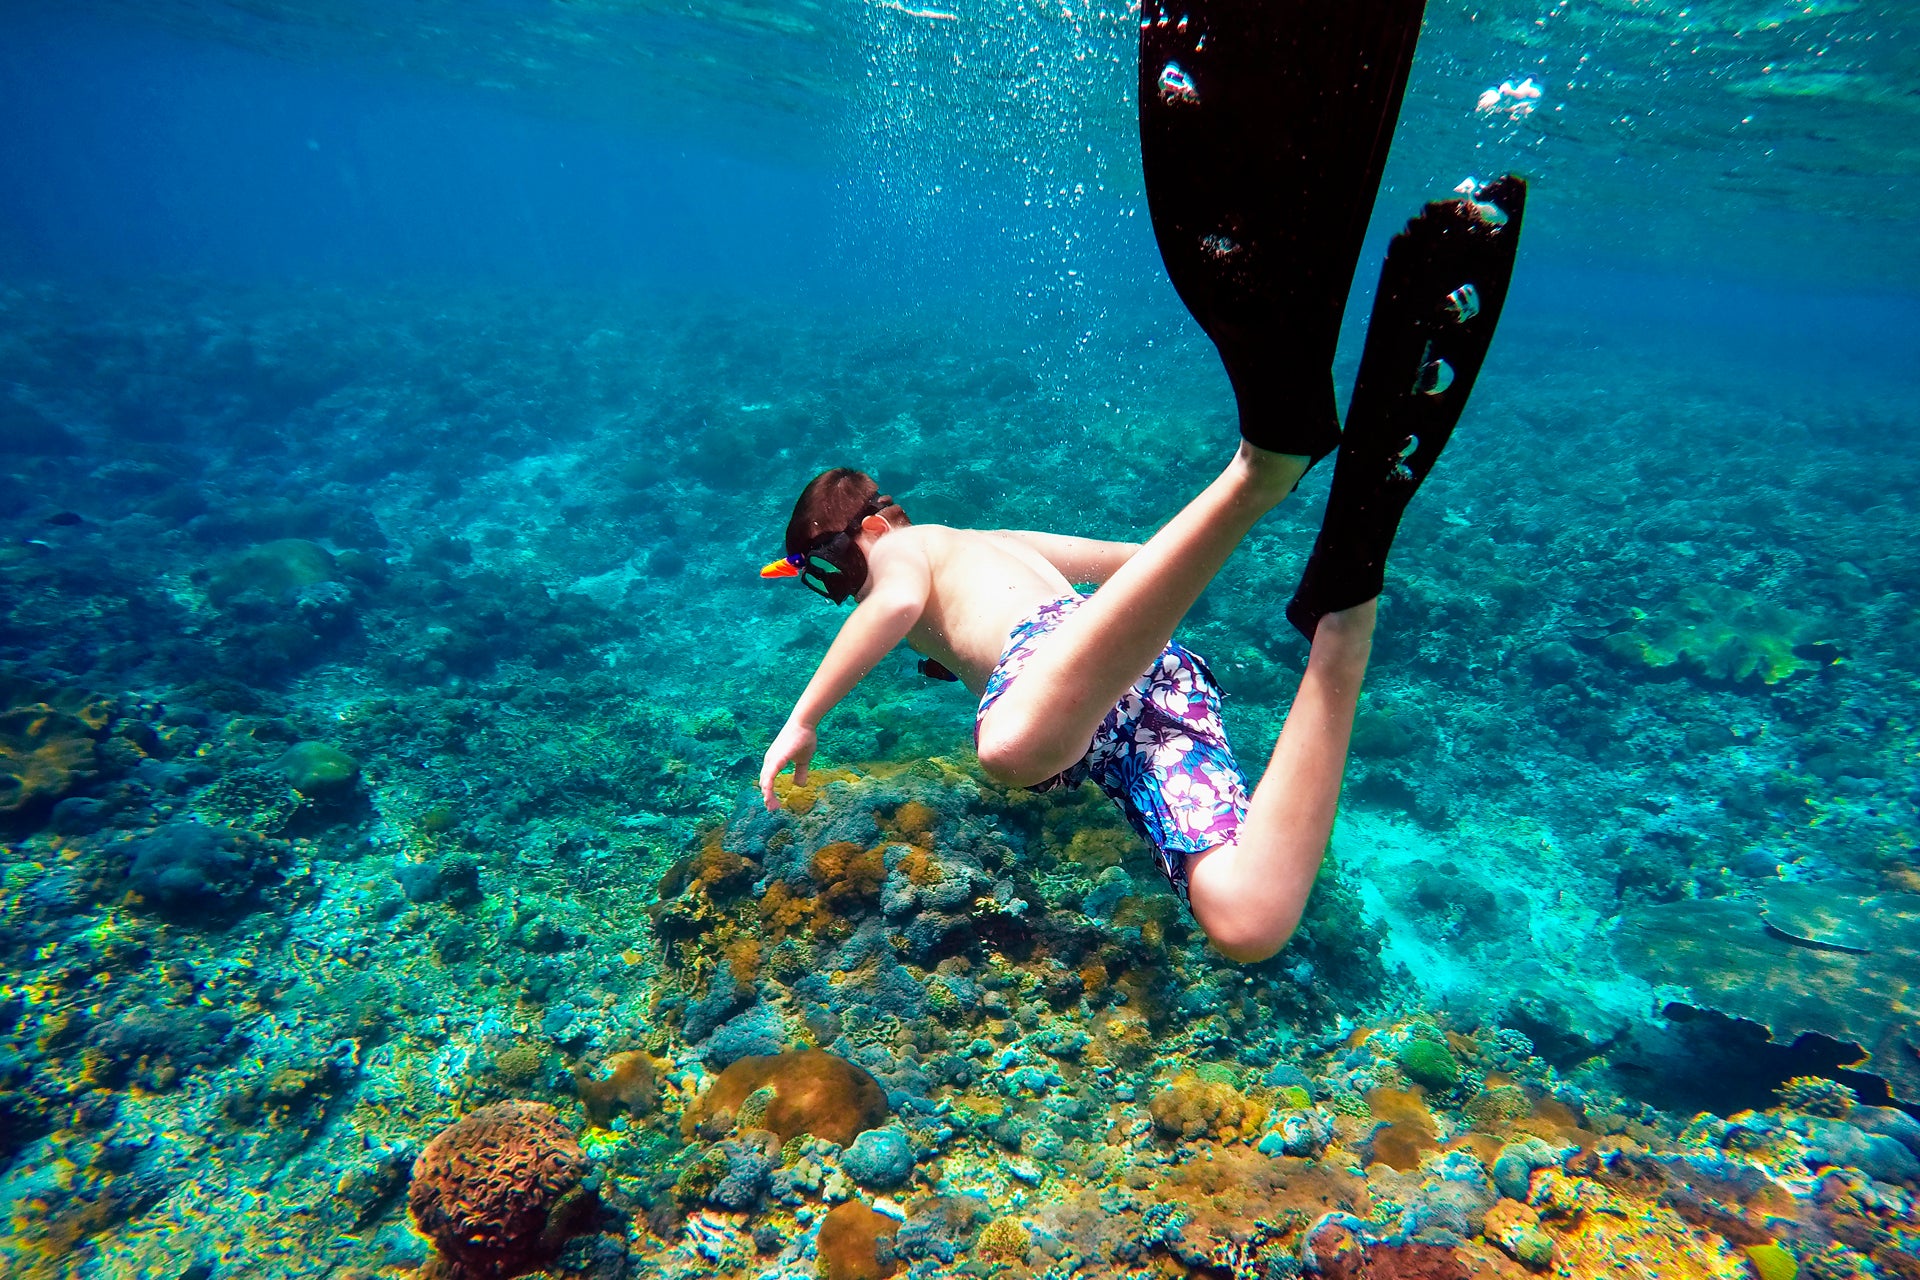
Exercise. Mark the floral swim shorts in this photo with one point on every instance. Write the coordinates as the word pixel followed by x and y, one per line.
pixel 1161 753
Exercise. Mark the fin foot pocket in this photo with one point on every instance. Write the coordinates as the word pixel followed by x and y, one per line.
pixel 1440 297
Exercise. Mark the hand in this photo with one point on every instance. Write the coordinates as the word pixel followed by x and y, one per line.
pixel 794 746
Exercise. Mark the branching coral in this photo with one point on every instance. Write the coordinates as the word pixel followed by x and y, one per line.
pixel 1817 1096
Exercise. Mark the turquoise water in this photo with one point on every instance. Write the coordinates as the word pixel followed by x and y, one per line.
pixel 428 383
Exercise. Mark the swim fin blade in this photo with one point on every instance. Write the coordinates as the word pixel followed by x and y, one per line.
pixel 1264 128
pixel 1442 291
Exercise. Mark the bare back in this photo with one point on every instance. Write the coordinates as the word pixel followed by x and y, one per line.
pixel 981 584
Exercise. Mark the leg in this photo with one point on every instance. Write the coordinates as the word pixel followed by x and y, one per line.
pixel 1043 723
pixel 1248 896
pixel 1441 293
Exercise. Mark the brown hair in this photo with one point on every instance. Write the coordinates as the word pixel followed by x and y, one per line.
pixel 834 502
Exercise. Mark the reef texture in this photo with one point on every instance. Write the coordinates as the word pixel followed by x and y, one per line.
pixel 384 680
pixel 495 1191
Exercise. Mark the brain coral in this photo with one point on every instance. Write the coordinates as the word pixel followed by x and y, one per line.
pixel 812 1092
pixel 1720 631
pixel 499 1191
pixel 853 1244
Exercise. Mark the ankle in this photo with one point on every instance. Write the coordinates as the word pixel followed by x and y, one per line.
pixel 1345 636
pixel 1271 475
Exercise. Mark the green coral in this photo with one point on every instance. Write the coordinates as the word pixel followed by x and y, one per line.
pixel 753 1108
pixel 942 1000
pixel 319 771
pixel 273 569
pixel 1430 1063
pixel 1722 632
pixel 1349 1104
pixel 1817 1096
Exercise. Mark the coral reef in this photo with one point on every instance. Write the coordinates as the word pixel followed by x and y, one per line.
pixel 250 980
pixel 806 1092
pixel 47 745
pixel 1721 632
pixel 1735 957
pixel 498 1191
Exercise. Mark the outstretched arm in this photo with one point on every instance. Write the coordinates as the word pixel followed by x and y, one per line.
pixel 900 582
pixel 1077 559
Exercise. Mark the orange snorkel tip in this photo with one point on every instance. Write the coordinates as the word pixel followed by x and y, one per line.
pixel 782 568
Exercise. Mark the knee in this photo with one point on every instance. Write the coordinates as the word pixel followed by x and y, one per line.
pixel 1240 933
pixel 1008 754
pixel 1244 945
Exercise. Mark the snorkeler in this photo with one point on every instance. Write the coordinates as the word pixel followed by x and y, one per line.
pixel 1264 129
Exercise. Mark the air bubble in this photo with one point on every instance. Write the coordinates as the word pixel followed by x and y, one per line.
pixel 1176 86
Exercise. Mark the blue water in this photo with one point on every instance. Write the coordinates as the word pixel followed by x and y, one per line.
pixel 429 383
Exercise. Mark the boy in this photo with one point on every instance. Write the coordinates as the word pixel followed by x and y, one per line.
pixel 1264 127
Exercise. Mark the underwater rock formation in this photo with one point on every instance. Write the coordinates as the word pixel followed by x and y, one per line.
pixel 191 873
pixel 1824 958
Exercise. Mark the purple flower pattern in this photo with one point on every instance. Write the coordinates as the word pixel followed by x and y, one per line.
pixel 1161 753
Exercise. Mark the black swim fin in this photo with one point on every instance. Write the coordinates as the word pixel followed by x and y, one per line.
pixel 1264 127
pixel 1441 292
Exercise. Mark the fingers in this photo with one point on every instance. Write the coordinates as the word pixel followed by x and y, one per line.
pixel 800 773
pixel 768 772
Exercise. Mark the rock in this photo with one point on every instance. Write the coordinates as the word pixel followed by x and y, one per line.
pixel 879 1159
pixel 78 816
pixel 196 874
pixel 1889 1122
pixel 759 1030
pixel 1513 1168
pixel 272 570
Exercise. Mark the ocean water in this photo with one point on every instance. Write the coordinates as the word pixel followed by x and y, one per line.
pixel 396 404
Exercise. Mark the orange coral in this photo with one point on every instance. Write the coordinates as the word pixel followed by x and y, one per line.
pixel 784 910
pixel 1409 1132
pixel 920 866
pixel 499 1191
pixel 852 875
pixel 43 754
pixel 849 1243
pixel 718 871
pixel 743 958
pixel 46 742
pixel 912 823
pixel 623 1080
pixel 813 1092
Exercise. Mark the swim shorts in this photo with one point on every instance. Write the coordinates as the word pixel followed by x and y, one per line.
pixel 1161 753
